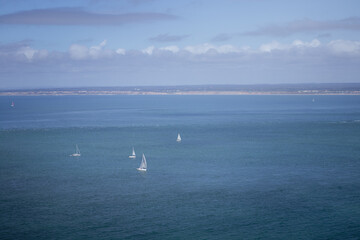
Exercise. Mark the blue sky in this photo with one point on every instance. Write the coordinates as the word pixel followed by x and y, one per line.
pixel 156 42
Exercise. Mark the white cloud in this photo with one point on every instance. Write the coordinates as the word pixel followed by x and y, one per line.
pixel 148 50
pixel 314 43
pixel 27 51
pixel 296 61
pixel 120 51
pixel 80 52
pixel 42 53
pixel 103 43
pixel 268 47
pixel 199 49
pixel 30 54
pixel 206 47
pixel 97 52
pixel 173 49
pixel 344 46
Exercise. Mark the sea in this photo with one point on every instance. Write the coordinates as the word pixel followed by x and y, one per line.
pixel 248 167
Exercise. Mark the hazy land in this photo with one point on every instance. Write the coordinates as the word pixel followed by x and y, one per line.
pixel 271 89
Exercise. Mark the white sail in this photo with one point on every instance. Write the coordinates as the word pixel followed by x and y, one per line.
pixel 77 152
pixel 143 164
pixel 133 155
pixel 77 149
pixel 178 138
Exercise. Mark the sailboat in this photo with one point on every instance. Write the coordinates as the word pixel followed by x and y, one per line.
pixel 77 152
pixel 133 155
pixel 178 138
pixel 12 104
pixel 143 164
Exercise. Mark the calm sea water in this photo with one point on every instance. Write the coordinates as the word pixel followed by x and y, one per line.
pixel 248 167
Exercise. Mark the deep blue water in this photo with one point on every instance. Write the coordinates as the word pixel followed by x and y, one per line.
pixel 248 167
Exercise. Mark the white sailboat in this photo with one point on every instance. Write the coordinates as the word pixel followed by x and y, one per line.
pixel 77 152
pixel 178 138
pixel 133 155
pixel 12 104
pixel 143 164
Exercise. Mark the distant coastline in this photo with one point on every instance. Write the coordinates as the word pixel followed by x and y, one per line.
pixel 65 93
pixel 273 89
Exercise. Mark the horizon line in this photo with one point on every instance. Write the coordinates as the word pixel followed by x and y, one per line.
pixel 172 86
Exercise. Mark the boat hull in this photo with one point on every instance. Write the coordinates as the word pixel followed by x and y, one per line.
pixel 75 155
pixel 131 156
pixel 141 169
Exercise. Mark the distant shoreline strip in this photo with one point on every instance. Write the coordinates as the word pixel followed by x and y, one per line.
pixel 66 93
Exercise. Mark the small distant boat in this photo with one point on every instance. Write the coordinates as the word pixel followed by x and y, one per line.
pixel 143 164
pixel 12 104
pixel 178 138
pixel 133 155
pixel 77 152
pixel 313 100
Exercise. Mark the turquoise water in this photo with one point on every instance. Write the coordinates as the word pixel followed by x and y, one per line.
pixel 248 167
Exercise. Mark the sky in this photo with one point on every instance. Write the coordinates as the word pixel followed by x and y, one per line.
pixel 82 43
